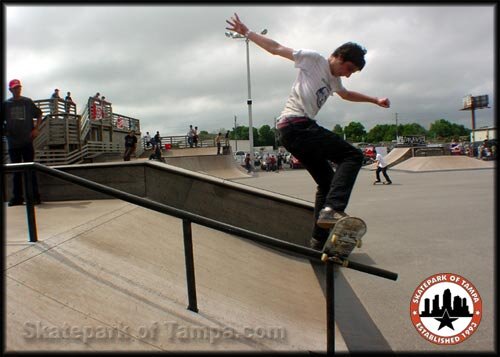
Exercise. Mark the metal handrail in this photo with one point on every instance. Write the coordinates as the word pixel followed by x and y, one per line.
pixel 28 169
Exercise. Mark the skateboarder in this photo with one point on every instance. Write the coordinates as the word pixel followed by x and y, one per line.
pixel 381 167
pixel 313 145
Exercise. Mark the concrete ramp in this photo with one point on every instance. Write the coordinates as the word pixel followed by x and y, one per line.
pixel 443 163
pixel 109 276
pixel 394 157
pixel 206 195
pixel 191 152
pixel 223 166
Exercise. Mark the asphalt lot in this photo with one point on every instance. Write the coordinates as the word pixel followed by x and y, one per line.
pixel 423 224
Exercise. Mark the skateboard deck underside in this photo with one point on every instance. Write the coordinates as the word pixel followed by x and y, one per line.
pixel 344 237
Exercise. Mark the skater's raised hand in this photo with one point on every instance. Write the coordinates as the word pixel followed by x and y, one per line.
pixel 237 26
pixel 271 46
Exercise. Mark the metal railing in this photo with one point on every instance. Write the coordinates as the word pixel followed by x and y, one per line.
pixel 28 169
pixel 181 142
pixel 55 106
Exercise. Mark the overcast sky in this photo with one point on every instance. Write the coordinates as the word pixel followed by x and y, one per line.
pixel 171 66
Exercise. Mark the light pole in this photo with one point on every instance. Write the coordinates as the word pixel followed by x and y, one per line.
pixel 235 35
pixel 397 128
pixel 235 137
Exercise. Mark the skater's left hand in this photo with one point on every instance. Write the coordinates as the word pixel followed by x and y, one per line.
pixel 384 102
pixel 236 25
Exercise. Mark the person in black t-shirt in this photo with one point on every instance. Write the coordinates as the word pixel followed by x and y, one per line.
pixel 18 113
pixel 130 145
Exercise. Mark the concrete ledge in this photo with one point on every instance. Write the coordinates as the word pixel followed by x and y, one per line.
pixel 258 210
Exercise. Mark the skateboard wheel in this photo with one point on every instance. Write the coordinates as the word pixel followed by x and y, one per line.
pixel 359 243
pixel 324 257
pixel 334 238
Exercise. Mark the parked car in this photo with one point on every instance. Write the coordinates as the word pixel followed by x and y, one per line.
pixel 369 152
pixel 239 156
pixel 295 163
pixel 456 149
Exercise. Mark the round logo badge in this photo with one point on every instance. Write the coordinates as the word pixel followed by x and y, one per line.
pixel 446 309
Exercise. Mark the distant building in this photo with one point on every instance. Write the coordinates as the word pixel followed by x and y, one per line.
pixel 482 134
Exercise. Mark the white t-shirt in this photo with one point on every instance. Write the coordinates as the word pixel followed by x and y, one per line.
pixel 381 161
pixel 313 85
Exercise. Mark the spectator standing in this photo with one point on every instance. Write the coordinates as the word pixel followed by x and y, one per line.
pixel 227 138
pixel 279 160
pixel 247 163
pixel 18 113
pixel 157 140
pixel 130 145
pixel 190 135
pixel 147 140
pixel 195 137
pixel 55 98
pixel 68 102
pixel 55 95
pixel 482 149
pixel 218 139
pixel 272 161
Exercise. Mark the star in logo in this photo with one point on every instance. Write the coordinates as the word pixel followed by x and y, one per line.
pixel 446 320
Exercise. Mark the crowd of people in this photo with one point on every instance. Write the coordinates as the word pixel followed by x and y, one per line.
pixel 69 104
pixel 193 136
pixel 153 143
pixel 486 150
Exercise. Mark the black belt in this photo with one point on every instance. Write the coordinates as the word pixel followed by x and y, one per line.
pixel 292 120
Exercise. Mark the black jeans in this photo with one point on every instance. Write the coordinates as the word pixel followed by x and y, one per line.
pixel 129 150
pixel 384 172
pixel 315 147
pixel 18 155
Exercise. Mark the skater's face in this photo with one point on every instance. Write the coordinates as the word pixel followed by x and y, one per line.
pixel 341 68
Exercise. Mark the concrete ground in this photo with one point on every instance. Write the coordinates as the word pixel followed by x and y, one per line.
pixel 94 269
pixel 421 225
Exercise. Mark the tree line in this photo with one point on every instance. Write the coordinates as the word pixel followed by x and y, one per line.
pixel 439 131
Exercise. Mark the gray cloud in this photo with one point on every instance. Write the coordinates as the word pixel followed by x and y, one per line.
pixel 172 66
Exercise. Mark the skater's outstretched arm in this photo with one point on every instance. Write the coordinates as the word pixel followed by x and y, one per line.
pixel 360 97
pixel 266 43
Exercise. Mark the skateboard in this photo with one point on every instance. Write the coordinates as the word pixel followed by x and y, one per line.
pixel 344 237
pixel 380 182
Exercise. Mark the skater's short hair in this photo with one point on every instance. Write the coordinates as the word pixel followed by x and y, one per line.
pixel 351 52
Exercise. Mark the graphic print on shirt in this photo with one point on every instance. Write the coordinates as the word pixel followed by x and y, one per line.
pixel 321 96
pixel 18 112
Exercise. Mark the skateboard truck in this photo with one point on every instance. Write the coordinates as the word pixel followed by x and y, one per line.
pixel 336 240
